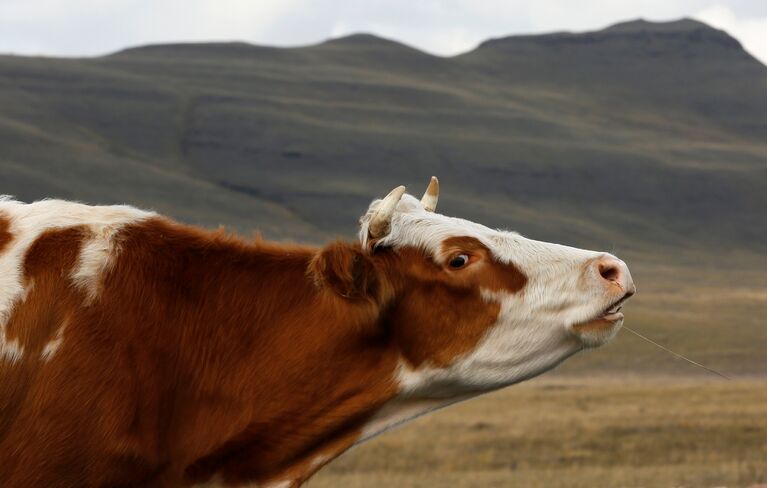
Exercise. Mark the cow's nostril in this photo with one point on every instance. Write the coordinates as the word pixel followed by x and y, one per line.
pixel 615 274
pixel 609 271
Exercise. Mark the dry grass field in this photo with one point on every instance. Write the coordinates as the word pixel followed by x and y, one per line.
pixel 572 432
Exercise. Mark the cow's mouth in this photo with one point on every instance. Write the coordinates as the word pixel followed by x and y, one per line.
pixel 605 320
pixel 612 316
pixel 613 312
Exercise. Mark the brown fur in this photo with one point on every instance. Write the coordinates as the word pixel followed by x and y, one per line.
pixel 206 355
pixel 5 233
pixel 440 313
pixel 485 271
pixel 35 321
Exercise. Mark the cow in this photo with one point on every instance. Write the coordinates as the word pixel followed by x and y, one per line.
pixel 138 351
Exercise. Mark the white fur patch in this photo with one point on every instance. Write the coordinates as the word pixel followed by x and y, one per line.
pixel 29 221
pixel 27 290
pixel 53 345
pixel 96 258
pixel 10 351
pixel 280 484
pixel 320 460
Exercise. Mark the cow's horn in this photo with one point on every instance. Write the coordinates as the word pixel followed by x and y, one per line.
pixel 380 222
pixel 429 199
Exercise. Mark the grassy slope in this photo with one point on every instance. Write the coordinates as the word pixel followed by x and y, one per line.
pixel 610 138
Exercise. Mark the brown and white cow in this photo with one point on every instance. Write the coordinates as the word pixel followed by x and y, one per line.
pixel 136 351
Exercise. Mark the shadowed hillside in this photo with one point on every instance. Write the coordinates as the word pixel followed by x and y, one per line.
pixel 648 139
pixel 653 130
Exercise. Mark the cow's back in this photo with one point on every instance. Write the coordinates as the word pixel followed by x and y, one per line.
pixel 53 255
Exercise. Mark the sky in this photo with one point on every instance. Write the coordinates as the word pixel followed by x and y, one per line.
pixel 442 27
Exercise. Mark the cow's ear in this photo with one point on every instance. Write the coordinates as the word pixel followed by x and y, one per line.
pixel 346 270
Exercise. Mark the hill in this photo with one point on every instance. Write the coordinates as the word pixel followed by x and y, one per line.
pixel 645 138
pixel 655 130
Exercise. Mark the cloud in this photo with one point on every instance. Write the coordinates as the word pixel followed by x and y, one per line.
pixel 92 27
pixel 444 27
pixel 751 32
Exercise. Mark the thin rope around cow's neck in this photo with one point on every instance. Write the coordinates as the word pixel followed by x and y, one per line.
pixel 677 355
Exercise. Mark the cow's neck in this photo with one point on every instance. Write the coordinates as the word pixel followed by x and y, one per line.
pixel 293 415
pixel 309 373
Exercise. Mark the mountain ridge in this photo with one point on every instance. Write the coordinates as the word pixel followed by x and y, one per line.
pixel 593 147
pixel 676 27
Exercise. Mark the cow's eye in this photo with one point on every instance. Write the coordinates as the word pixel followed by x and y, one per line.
pixel 459 261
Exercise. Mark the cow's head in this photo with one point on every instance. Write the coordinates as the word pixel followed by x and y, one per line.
pixel 472 308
